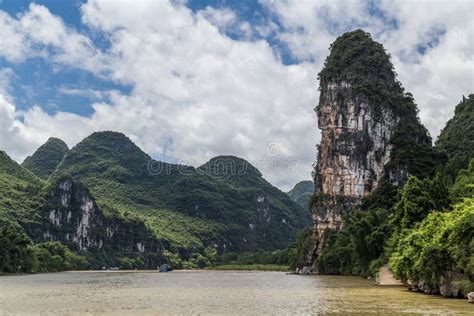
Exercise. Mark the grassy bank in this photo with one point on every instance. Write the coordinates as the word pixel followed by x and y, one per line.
pixel 251 267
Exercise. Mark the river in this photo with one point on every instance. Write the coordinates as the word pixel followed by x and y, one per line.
pixel 212 292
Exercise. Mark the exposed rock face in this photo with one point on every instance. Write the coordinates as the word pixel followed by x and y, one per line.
pixel 361 106
pixel 449 285
pixel 355 142
pixel 470 297
pixel 75 219
pixel 354 149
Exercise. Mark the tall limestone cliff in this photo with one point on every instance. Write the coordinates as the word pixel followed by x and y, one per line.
pixel 370 132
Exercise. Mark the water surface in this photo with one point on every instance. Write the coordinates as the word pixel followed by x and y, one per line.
pixel 212 292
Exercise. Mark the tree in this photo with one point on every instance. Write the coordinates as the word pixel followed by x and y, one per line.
pixel 14 251
pixel 414 203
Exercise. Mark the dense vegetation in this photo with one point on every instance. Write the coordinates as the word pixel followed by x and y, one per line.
pixel 302 193
pixel 192 215
pixel 424 230
pixel 405 221
pixel 20 193
pixel 441 242
pixel 226 201
pixel 45 160
pixel 277 257
pixel 457 138
pixel 18 254
pixel 423 234
pixel 357 59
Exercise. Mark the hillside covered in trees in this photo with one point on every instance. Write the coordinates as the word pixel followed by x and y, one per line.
pixel 384 194
pixel 107 203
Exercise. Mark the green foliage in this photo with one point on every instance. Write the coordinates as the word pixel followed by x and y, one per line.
pixel 384 196
pixel 303 247
pixel 363 63
pixel 54 256
pixel 352 250
pixel 443 241
pixel 45 160
pixel 417 199
pixel 189 209
pixel 18 254
pixel 302 193
pixel 278 257
pixel 190 214
pixel 457 138
pixel 412 150
pixel 356 58
pixel 252 267
pixel 463 187
pixel 14 249
pixel 126 263
pixel 20 194
pixel 362 246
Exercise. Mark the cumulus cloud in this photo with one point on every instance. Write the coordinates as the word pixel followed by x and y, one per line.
pixel 198 92
pixel 430 43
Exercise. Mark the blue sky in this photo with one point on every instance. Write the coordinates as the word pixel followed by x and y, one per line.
pixel 189 80
pixel 38 82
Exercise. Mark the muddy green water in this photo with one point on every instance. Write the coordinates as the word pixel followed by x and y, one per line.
pixel 212 292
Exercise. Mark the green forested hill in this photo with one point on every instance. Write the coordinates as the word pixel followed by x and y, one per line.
pixel 302 193
pixel 233 203
pixel 19 192
pixel 457 137
pixel 112 204
pixel 45 160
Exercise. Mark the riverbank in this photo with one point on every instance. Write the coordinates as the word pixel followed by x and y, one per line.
pixel 251 267
pixel 386 277
pixel 226 267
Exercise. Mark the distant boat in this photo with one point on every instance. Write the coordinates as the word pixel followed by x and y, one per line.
pixel 166 268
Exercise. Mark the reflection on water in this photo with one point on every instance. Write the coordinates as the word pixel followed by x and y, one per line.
pixel 211 292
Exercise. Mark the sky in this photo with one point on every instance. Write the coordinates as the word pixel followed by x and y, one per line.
pixel 191 80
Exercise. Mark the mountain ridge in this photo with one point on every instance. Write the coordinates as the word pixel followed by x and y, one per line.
pixel 189 214
pixel 46 158
pixel 302 192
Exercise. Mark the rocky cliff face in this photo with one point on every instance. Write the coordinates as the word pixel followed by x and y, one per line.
pixel 355 142
pixel 74 218
pixel 355 147
pixel 360 114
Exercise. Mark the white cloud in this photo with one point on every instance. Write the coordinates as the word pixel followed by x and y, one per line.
pixel 222 18
pixel 12 45
pixel 192 85
pixel 438 78
pixel 37 32
pixel 89 93
pixel 197 93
